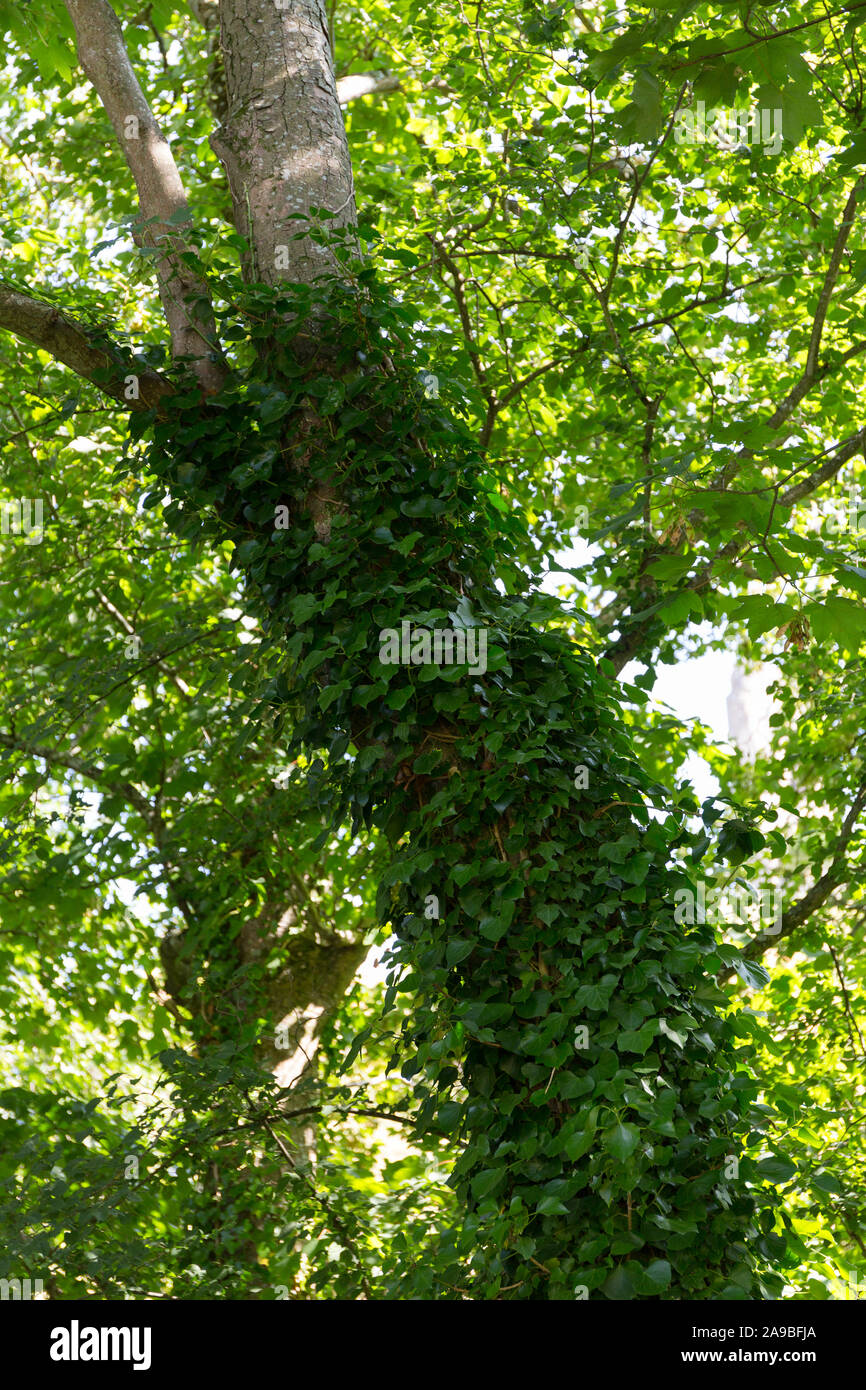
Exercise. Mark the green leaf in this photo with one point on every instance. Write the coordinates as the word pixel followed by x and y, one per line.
pixel 827 1182
pixel 776 1169
pixel 639 1040
pixel 751 973
pixel 458 949
pixel 487 1181
pixel 618 1286
pixel 621 1140
pixel 647 99
pixel 658 1274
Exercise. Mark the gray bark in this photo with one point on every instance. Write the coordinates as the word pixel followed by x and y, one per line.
pixel 304 994
pixel 86 351
pixel 284 144
pixel 183 292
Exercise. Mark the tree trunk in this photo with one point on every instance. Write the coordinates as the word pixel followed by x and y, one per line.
pixel 284 145
pixel 534 907
pixel 300 997
pixel 566 1030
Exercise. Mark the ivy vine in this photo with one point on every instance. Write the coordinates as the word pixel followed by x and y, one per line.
pixel 567 1033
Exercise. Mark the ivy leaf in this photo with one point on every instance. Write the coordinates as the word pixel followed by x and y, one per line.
pixel 658 1274
pixel 639 1040
pixel 487 1181
pixel 423 507
pixel 458 949
pixel 618 1286
pixel 621 1140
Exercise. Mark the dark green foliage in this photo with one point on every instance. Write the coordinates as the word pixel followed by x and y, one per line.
pixel 610 1163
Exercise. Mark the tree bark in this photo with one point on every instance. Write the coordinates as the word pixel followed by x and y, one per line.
pixel 284 144
pixel 85 350
pixel 183 291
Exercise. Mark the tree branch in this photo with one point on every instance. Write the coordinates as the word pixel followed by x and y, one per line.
pixel 631 641
pixel 127 627
pixel 87 351
pixel 90 772
pixel 183 291
pixel 815 897
pixel 811 375
pixel 365 84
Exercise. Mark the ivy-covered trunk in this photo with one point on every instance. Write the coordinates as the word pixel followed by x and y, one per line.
pixel 567 1031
